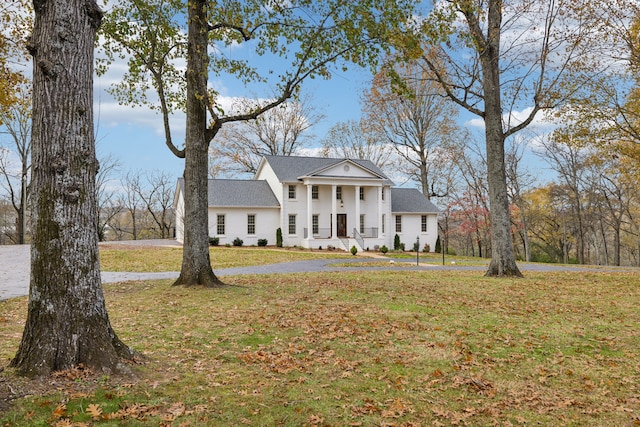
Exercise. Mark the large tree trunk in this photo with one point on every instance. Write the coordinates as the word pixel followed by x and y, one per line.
pixel 503 262
pixel 196 264
pixel 67 321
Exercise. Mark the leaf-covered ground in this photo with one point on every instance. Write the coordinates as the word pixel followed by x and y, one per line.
pixel 362 349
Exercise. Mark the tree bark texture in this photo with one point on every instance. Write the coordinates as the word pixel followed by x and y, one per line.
pixel 67 322
pixel 503 261
pixel 196 263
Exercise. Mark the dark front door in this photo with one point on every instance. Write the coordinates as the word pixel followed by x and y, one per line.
pixel 342 225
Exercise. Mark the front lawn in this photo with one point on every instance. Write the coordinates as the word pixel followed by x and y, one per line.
pixel 395 348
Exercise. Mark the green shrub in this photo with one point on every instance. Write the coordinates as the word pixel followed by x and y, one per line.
pixel 237 241
pixel 214 241
pixel 262 242
pixel 384 249
pixel 396 243
pixel 354 250
pixel 279 237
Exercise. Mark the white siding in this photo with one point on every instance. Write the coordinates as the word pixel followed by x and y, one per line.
pixel 412 228
pixel 267 221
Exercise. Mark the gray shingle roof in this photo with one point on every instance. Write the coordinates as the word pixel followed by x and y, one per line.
pixel 240 193
pixel 290 168
pixel 410 200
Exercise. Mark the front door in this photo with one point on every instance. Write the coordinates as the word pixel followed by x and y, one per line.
pixel 341 225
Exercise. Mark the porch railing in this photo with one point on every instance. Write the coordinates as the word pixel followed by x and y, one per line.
pixel 319 233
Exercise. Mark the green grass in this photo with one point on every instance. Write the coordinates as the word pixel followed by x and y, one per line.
pixel 386 348
pixel 158 259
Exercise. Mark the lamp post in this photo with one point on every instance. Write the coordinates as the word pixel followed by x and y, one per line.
pixel 418 251
pixel 442 243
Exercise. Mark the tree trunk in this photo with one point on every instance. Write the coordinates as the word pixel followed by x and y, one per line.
pixel 196 264
pixel 503 261
pixel 67 321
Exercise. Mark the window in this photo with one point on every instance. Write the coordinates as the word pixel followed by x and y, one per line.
pixel 361 224
pixel 361 193
pixel 251 224
pixel 398 223
pixel 338 193
pixel 383 194
pixel 424 223
pixel 314 192
pixel 315 224
pixel 292 224
pixel 384 219
pixel 292 191
pixel 220 229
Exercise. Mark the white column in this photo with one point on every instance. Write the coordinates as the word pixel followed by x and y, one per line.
pixel 357 201
pixel 309 213
pixel 334 212
pixel 380 189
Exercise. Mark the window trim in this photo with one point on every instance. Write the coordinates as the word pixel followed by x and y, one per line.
pixel 423 223
pixel 315 192
pixel 398 223
pixel 250 224
pixel 292 223
pixel 315 224
pixel 292 192
pixel 222 224
pixel 339 192
pixel 361 195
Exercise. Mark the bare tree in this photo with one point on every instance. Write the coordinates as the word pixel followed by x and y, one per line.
pixel 15 158
pixel 281 131
pixel 106 194
pixel 132 203
pixel 518 181
pixel 357 140
pixel 157 197
pixel 416 119
pixel 569 161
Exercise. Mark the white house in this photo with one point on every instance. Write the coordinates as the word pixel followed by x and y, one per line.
pixel 316 202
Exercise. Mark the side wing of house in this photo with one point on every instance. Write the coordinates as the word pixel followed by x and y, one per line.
pixel 243 209
pixel 414 217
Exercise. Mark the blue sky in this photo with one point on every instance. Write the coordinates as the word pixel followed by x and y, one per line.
pixel 134 135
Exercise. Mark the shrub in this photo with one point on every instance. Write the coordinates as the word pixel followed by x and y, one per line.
pixel 402 247
pixel 214 241
pixel 384 249
pixel 396 243
pixel 279 237
pixel 354 250
pixel 438 245
pixel 262 242
pixel 237 241
pixel 427 248
pixel 416 246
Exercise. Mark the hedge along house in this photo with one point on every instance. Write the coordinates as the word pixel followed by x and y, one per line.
pixel 316 202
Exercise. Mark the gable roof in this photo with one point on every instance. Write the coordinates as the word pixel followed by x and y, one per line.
pixel 291 168
pixel 410 200
pixel 239 193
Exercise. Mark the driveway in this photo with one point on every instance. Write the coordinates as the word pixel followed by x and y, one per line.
pixel 15 266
